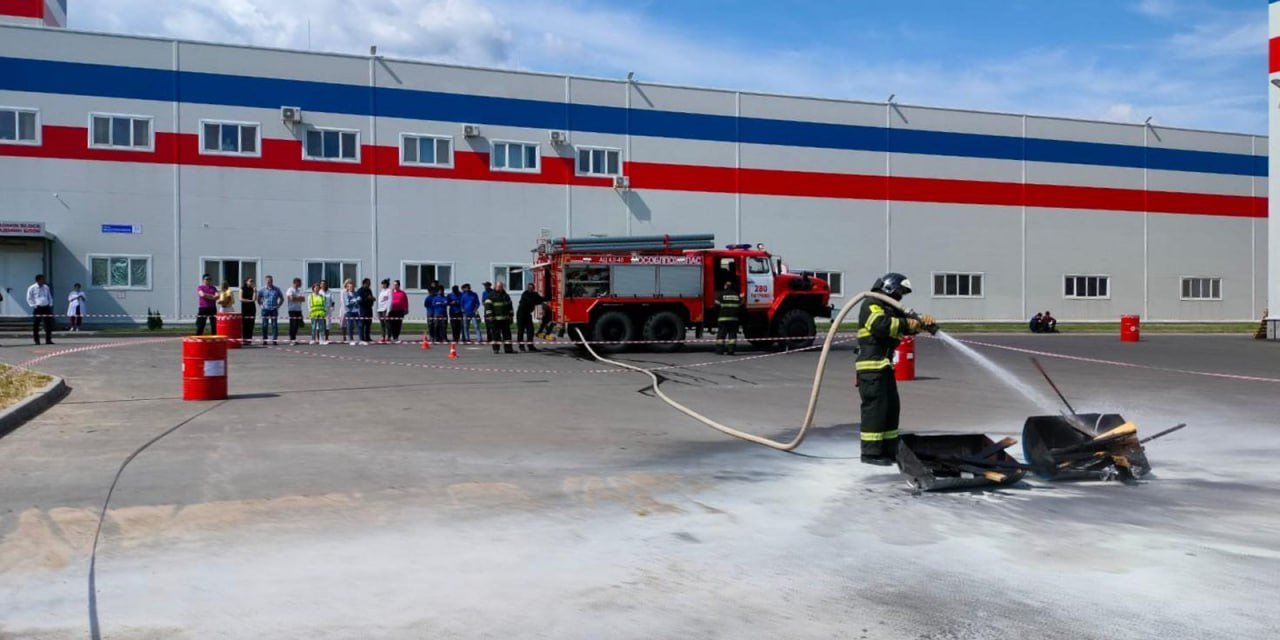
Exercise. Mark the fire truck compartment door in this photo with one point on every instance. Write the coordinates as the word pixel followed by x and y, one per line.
pixel 635 280
pixel 680 281
pixel 759 282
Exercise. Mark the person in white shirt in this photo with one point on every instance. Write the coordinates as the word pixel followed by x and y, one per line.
pixel 40 299
pixel 294 297
pixel 75 307
pixel 384 308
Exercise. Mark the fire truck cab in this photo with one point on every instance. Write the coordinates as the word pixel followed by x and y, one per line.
pixel 653 289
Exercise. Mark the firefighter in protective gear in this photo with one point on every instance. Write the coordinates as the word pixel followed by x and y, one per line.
pixel 880 328
pixel 497 317
pixel 730 317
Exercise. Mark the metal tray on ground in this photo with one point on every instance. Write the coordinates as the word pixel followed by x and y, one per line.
pixel 918 461
pixel 1042 434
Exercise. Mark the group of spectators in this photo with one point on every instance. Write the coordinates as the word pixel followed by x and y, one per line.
pixel 40 299
pixel 1043 323
pixel 455 311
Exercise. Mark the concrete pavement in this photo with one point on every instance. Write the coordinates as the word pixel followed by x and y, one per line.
pixel 348 492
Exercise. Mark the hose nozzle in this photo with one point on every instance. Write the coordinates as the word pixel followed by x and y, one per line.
pixel 931 326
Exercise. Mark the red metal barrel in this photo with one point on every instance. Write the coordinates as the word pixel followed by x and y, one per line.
pixel 904 360
pixel 204 368
pixel 230 328
pixel 1129 328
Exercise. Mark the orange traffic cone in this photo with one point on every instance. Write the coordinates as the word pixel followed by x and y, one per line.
pixel 453 351
pixel 426 342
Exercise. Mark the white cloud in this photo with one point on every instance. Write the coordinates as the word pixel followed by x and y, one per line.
pixel 1189 79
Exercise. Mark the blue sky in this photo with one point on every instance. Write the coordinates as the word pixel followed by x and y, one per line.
pixel 1188 63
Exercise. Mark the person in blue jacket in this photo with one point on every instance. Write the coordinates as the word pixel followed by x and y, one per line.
pixel 454 300
pixel 470 313
pixel 437 314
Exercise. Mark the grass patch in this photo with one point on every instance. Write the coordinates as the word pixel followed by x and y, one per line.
pixel 15 387
pixel 1244 328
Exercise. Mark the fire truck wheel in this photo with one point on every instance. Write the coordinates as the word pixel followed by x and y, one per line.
pixel 665 329
pixel 797 328
pixel 613 326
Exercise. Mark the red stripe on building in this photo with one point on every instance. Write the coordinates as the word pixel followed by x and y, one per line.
pixel 22 8
pixel 71 143
pixel 1273 59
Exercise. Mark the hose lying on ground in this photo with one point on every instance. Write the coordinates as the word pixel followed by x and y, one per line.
pixel 813 394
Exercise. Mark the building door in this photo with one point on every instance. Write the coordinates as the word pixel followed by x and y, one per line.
pixel 20 261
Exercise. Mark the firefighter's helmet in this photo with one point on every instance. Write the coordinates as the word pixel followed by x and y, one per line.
pixel 893 284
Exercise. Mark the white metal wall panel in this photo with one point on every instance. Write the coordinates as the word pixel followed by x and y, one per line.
pixel 273 63
pixel 677 212
pixel 933 238
pixel 1069 241
pixel 788 108
pixel 820 233
pixel 39 43
pixel 817 160
pixel 1199 246
pixel 607 93
pixel 400 74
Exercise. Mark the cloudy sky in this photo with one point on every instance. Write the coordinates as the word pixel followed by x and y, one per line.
pixel 1192 63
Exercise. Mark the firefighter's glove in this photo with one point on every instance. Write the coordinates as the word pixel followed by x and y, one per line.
pixel 913 326
pixel 927 321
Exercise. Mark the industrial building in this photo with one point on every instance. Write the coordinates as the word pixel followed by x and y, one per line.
pixel 133 165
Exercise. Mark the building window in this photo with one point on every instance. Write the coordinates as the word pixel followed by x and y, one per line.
pixel 19 126
pixel 834 279
pixel 333 272
pixel 957 285
pixel 231 270
pixel 510 275
pixel 593 161
pixel 1202 288
pixel 431 151
pixel 514 156
pixel 232 138
pixel 339 145
pixel 419 275
pixel 120 132
pixel 1086 287
pixel 120 272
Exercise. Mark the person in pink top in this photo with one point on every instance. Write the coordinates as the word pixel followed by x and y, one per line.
pixel 207 309
pixel 399 309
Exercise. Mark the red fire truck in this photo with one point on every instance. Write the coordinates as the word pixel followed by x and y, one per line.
pixel 656 288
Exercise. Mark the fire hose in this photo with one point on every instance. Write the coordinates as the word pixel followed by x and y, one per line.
pixel 813 394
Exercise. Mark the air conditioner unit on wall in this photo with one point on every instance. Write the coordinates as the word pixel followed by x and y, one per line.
pixel 559 138
pixel 291 115
pixel 471 130
pixel 621 183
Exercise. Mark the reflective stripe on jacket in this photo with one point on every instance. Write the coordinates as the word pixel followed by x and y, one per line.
pixel 880 329
pixel 730 306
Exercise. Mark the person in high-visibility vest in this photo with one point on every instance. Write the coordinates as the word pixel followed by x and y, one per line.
pixel 729 318
pixel 318 311
pixel 880 328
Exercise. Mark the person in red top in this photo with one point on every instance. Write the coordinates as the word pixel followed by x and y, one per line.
pixel 399 309
pixel 207 294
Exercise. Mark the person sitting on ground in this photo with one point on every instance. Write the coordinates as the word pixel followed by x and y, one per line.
pixel 1037 323
pixel 1048 323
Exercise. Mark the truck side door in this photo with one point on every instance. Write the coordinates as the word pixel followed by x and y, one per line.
pixel 759 282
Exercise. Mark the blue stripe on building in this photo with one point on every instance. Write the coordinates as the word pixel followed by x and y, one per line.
pixel 43 76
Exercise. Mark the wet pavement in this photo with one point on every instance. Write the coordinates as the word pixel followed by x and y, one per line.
pixel 386 491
